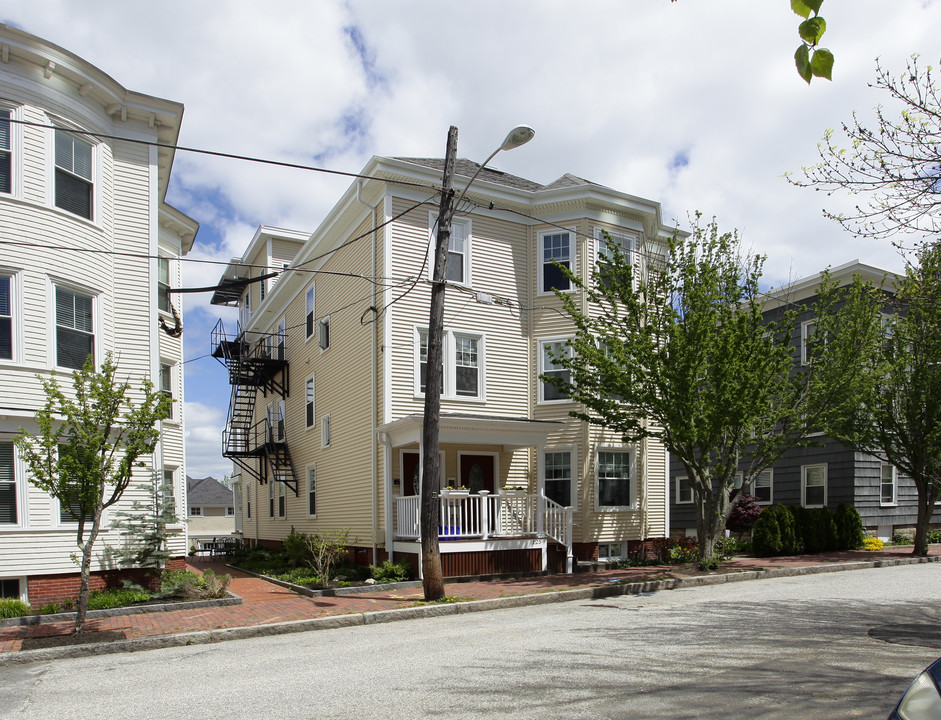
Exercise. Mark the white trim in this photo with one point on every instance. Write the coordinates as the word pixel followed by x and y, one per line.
pixel 754 489
pixel 804 335
pixel 540 257
pixel 16 148
pixel 676 493
pixel 631 450
pixel 466 224
pixel 312 401
pixel 52 283
pixel 20 490
pixel 540 368
pixel 572 450
pixel 449 357
pixel 307 471
pixel 311 312
pixel 96 181
pixel 325 431
pixel 464 453
pixel 325 320
pixel 629 245
pixel 895 485
pixel 826 482
pixel 17 311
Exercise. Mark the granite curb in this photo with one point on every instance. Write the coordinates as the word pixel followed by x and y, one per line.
pixel 612 589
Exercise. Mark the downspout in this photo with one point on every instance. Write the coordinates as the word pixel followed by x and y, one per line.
pixel 374 405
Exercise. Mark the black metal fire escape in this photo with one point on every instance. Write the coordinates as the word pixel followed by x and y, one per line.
pixel 259 448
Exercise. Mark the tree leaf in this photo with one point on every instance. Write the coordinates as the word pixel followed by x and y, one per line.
pixel 802 60
pixel 821 64
pixel 801 8
pixel 814 5
pixel 812 30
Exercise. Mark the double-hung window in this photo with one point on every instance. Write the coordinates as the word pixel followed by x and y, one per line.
pixel 614 469
pixel 555 246
pixel 325 431
pixel 808 341
pixel 459 250
pixel 75 337
pixel 611 243
pixel 684 491
pixel 73 174
pixel 166 386
pixel 309 402
pixel 309 317
pixel 323 331
pixel 6 152
pixel 6 317
pixel 311 491
pixel 8 505
pixel 557 469
pixel 887 494
pixel 163 284
pixel 814 485
pixel 764 487
pixel 550 351
pixel 463 367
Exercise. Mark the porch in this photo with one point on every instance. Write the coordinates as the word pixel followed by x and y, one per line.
pixel 519 529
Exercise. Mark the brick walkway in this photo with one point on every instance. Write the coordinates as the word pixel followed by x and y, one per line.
pixel 264 603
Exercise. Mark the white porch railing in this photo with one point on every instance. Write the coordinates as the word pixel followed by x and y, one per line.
pixel 485 517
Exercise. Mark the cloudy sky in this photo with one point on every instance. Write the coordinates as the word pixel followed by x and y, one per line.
pixel 695 103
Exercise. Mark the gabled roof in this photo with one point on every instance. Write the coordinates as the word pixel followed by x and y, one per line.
pixel 467 168
pixel 208 491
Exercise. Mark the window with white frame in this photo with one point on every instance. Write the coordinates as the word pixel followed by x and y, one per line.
pixel 557 476
pixel 6 151
pixel 10 588
pixel 325 431
pixel 684 491
pixel 555 246
pixel 245 309
pixel 614 470
pixel 888 484
pixel 6 317
pixel 808 331
pixel 607 242
pixel 281 339
pixel 463 366
pixel 609 552
pixel 163 284
pixel 550 351
pixel 165 493
pixel 309 316
pixel 75 336
pixel 262 290
pixel 814 485
pixel 271 495
pixel 309 402
pixel 323 333
pixel 311 491
pixel 282 497
pixel 166 385
pixel 73 174
pixel 9 513
pixel 230 512
pixel 459 250
pixel 763 487
pixel 196 511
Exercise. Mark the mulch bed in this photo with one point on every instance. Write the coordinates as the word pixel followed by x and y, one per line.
pixel 85 638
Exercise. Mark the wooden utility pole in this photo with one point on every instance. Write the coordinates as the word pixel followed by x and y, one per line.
pixel 433 578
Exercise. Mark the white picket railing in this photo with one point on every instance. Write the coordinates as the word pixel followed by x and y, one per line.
pixel 484 516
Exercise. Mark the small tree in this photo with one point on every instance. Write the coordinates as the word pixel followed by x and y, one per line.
pixel 144 526
pixel 91 437
pixel 743 515
pixel 679 350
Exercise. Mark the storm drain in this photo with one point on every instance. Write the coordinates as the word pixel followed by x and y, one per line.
pixel 916 635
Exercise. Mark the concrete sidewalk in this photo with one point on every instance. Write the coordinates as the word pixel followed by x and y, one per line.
pixel 269 609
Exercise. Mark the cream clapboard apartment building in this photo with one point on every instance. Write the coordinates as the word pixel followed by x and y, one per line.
pixel 82 223
pixel 327 370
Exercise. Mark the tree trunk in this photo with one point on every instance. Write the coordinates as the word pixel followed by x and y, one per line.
pixel 85 589
pixel 926 501
pixel 711 514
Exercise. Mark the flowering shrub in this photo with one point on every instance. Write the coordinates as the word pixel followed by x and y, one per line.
pixel 871 543
pixel 685 550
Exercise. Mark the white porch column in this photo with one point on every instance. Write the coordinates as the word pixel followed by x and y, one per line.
pixel 541 495
pixel 388 499
pixel 484 496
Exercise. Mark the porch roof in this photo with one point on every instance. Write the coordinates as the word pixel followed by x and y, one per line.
pixel 465 429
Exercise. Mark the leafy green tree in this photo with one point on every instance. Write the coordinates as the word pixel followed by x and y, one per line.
pixel 892 163
pixel 678 350
pixel 144 526
pixel 91 437
pixel 898 417
pixel 812 61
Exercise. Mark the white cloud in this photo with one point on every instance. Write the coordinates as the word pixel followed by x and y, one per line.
pixel 615 90
pixel 203 437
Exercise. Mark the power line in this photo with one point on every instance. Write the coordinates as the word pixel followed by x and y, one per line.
pixel 229 156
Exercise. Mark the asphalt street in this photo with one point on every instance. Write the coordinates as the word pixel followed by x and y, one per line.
pixel 835 645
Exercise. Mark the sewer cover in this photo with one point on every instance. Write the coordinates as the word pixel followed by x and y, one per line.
pixel 917 635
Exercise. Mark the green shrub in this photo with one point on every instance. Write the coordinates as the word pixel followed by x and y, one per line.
pixel 934 536
pixel 826 528
pixel 709 563
pixel 297 548
pixel 13 607
pixel 193 586
pixel 56 606
pixel 902 539
pixel 214 586
pixel 115 598
pixel 791 542
pixel 390 572
pixel 766 535
pixel 849 528
pixel 299 576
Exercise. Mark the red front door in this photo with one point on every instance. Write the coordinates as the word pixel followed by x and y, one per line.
pixel 477 472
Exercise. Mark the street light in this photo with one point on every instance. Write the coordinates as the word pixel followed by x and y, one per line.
pixel 432 577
